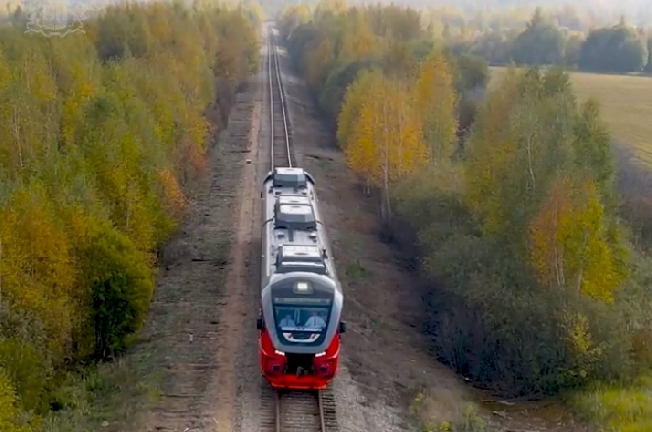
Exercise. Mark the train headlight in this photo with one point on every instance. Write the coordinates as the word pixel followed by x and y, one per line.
pixel 326 369
pixel 321 354
pixel 279 353
pixel 274 366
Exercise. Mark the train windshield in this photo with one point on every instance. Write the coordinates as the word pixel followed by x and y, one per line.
pixel 302 321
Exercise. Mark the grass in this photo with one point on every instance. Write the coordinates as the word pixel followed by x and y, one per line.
pixel 626 104
pixel 109 396
pixel 616 408
pixel 466 419
pixel 355 270
pixel 106 397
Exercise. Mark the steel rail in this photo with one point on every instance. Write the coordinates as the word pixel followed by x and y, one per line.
pixel 276 81
pixel 307 415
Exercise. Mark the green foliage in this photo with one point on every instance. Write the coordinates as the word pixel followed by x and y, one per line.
pixel 482 255
pixel 105 138
pixel 121 286
pixel 470 420
pixel 338 82
pixel 518 233
pixel 551 37
pixel 8 406
pixel 626 409
pixel 648 64
pixel 467 418
pixel 26 368
pixel 616 49
pixel 545 36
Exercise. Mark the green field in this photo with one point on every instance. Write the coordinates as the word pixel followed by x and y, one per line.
pixel 626 104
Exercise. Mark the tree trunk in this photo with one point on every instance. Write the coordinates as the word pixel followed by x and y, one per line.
pixel 385 167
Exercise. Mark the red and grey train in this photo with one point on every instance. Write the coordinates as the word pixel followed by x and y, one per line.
pixel 300 319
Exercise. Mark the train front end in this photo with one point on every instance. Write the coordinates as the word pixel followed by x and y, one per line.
pixel 300 331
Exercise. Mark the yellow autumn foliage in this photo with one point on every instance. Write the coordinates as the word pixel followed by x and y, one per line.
pixel 359 42
pixel 385 139
pixel 354 98
pixel 174 198
pixel 535 292
pixel 9 411
pixel 434 98
pixel 569 244
pixel 34 278
pixel 103 137
pixel 491 154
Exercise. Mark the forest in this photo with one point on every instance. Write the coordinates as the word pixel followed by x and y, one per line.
pixel 574 37
pixel 547 40
pixel 105 136
pixel 505 202
pixel 472 15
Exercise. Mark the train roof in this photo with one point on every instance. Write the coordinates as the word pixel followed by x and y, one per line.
pixel 295 237
pixel 292 215
pixel 300 258
pixel 293 199
pixel 320 285
pixel 286 177
pixel 301 252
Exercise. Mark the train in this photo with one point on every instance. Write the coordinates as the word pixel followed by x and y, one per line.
pixel 300 320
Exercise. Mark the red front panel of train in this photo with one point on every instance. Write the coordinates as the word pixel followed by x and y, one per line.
pixel 273 366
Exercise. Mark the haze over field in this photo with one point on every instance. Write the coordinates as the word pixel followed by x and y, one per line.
pixel 603 12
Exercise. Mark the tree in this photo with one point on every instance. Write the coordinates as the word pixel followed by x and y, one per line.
pixel 648 65
pixel 354 98
pixel 9 411
pixel 102 137
pixel 615 49
pixel 435 100
pixel 318 60
pixel 570 249
pixel 540 43
pixel 386 141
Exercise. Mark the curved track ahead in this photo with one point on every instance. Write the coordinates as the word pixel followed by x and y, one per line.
pixel 289 411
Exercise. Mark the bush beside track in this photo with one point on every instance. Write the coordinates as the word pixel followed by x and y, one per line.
pixel 105 136
pixel 534 287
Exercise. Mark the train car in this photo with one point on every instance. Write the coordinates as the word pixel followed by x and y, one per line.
pixel 300 319
pixel 284 180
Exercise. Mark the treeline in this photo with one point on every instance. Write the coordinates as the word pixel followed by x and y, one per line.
pixel 571 37
pixel 534 285
pixel 469 18
pixel 614 49
pixel 104 137
pixel 468 23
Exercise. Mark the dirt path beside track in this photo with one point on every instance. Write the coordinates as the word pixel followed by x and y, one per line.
pixel 203 294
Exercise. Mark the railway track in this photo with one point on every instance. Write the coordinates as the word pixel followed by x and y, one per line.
pixel 290 411
pixel 298 411
pixel 281 146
